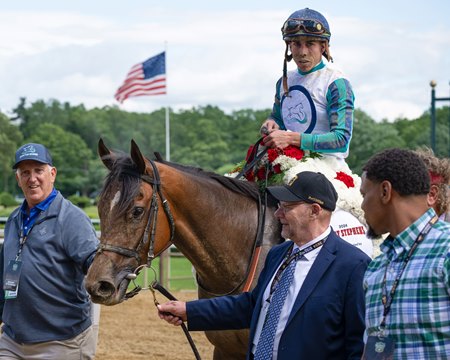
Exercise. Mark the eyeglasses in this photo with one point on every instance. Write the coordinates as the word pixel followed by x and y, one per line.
pixel 291 26
pixel 289 206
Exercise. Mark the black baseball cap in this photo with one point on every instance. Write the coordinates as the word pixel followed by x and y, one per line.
pixel 307 186
pixel 32 151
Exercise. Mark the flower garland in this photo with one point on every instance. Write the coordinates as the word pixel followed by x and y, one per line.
pixel 272 165
pixel 282 165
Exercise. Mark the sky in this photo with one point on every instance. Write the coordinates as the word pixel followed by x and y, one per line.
pixel 223 53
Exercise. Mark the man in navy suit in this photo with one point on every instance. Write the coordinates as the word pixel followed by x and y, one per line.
pixel 322 316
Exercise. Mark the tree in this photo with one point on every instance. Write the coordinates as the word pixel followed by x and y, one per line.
pixel 370 137
pixel 10 139
pixel 70 155
pixel 205 136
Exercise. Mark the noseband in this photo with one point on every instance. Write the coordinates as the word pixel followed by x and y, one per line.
pixel 150 228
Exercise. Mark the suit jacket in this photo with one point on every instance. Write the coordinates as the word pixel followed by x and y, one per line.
pixel 327 319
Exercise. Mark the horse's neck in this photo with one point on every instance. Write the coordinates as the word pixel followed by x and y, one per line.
pixel 216 230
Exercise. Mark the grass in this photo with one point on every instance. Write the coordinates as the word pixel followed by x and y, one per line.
pixel 180 275
pixel 91 211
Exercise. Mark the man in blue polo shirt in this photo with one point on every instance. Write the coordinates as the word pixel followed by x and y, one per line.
pixel 49 245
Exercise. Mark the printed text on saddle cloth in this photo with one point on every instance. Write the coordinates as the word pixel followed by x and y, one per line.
pixel 351 230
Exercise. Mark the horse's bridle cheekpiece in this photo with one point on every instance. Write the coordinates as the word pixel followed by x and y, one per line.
pixel 150 228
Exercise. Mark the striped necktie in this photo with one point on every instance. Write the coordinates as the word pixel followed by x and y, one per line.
pixel 264 349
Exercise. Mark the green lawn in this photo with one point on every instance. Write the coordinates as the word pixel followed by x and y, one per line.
pixel 180 275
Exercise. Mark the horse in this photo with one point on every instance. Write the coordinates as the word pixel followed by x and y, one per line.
pixel 217 222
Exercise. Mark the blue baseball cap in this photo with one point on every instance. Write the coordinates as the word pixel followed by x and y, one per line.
pixel 31 151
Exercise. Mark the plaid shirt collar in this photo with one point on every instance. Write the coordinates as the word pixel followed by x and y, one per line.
pixel 403 241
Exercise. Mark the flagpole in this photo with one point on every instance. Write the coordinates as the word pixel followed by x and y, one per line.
pixel 164 258
pixel 167 112
pixel 167 133
pixel 149 78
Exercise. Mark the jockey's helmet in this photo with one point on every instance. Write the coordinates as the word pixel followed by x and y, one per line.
pixel 306 22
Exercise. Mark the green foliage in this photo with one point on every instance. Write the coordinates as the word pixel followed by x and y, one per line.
pixel 70 155
pixel 369 137
pixel 91 211
pixel 6 199
pixel 206 137
pixel 10 139
pixel 80 201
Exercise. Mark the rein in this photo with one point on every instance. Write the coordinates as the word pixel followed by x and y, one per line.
pixel 247 280
pixel 149 236
pixel 253 158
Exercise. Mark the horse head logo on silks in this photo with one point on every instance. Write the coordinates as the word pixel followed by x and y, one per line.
pixel 296 113
pixel 298 110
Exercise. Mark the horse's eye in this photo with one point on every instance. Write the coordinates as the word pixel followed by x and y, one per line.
pixel 137 212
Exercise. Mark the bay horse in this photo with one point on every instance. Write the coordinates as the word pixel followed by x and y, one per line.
pixel 145 205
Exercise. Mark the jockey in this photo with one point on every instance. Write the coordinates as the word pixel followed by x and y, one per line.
pixel 312 113
pixel 314 104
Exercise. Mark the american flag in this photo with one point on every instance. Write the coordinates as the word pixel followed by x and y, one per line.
pixel 146 78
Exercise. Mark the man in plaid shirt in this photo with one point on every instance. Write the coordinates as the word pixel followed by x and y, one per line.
pixel 407 287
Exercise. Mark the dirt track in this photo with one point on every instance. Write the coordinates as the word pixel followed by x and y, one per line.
pixel 133 331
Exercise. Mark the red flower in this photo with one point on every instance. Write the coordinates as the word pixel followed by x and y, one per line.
pixel 293 152
pixel 249 152
pixel 277 169
pixel 272 154
pixel 261 174
pixel 250 176
pixel 346 179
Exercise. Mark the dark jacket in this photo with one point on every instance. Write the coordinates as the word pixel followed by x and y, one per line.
pixel 327 320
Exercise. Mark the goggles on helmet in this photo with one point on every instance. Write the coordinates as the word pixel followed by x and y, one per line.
pixel 292 26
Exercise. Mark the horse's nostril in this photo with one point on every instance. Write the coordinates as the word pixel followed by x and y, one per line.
pixel 103 289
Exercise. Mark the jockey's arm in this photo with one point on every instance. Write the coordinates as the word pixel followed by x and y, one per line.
pixel 340 110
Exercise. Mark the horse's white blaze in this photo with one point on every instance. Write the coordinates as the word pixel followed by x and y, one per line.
pixel 115 200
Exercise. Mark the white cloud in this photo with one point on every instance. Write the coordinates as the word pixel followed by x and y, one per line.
pixel 229 58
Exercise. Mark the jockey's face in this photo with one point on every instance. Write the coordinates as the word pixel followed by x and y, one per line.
pixel 306 52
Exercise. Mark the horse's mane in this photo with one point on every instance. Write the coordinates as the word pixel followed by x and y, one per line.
pixel 246 188
pixel 125 173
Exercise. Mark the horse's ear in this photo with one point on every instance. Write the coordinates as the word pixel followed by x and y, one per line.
pixel 105 154
pixel 137 157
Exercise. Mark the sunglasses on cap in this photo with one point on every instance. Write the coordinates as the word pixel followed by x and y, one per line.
pixel 292 26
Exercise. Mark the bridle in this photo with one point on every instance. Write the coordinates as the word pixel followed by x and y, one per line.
pixel 150 233
pixel 149 236
pixel 150 229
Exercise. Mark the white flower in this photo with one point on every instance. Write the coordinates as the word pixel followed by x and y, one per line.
pixel 349 199
pixel 232 175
